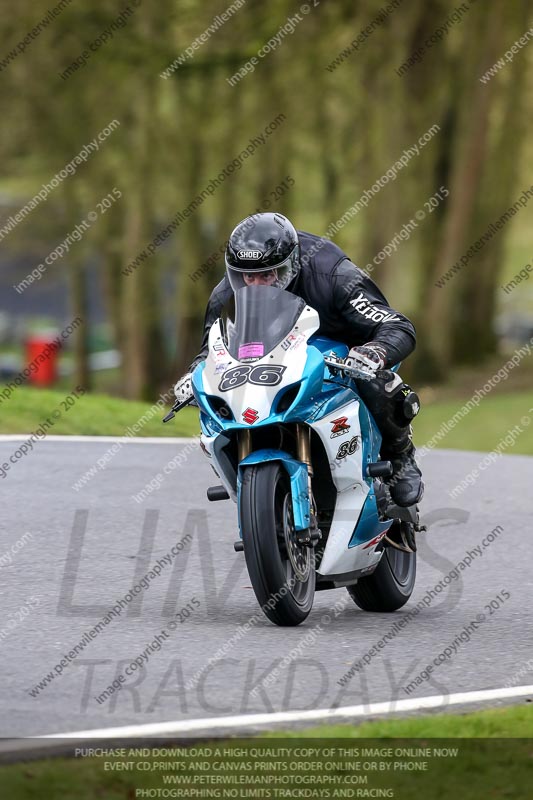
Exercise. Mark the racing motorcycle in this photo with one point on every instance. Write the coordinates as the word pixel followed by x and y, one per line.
pixel 297 450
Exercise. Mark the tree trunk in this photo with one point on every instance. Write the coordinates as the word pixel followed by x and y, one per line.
pixel 80 307
pixel 144 353
pixel 476 306
pixel 468 154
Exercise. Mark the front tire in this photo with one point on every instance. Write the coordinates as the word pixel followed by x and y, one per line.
pixel 282 573
pixel 391 584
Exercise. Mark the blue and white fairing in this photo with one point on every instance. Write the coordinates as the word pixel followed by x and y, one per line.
pixel 272 371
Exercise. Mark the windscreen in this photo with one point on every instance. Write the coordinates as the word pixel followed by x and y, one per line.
pixel 264 316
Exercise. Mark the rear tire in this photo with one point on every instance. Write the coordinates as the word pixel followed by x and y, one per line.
pixel 390 586
pixel 282 573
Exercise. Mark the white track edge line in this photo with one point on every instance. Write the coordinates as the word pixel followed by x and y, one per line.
pixel 16 437
pixel 317 715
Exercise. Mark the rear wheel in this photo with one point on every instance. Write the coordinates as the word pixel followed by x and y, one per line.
pixel 390 586
pixel 282 572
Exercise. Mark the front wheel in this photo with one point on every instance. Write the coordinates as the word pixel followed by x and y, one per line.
pixel 391 584
pixel 282 572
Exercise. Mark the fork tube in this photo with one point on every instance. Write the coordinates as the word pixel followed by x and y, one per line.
pixel 245 444
pixel 303 439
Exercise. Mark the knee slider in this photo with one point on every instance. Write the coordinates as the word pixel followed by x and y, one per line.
pixel 406 401
pixel 410 403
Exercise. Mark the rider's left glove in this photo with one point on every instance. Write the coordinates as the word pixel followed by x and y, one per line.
pixel 183 388
pixel 369 357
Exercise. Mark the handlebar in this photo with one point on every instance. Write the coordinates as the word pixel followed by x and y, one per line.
pixel 338 364
pixel 334 362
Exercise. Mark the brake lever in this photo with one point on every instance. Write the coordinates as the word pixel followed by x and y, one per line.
pixel 338 364
pixel 177 407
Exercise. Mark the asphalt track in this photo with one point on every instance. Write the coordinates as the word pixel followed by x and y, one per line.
pixel 87 548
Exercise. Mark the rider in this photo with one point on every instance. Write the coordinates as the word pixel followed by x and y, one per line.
pixel 265 249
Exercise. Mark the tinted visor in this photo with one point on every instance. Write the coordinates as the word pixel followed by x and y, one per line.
pixel 278 277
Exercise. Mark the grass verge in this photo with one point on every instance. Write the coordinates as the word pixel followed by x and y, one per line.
pixel 466 768
pixel 484 428
pixel 512 722
pixel 91 415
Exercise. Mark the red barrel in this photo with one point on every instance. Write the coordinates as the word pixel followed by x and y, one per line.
pixel 41 359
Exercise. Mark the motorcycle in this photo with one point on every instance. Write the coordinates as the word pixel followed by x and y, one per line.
pixel 297 450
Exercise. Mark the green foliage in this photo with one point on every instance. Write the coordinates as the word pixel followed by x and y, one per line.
pixel 343 129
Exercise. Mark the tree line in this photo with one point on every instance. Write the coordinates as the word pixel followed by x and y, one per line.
pixel 353 86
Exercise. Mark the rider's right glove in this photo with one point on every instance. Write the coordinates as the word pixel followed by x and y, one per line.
pixel 183 388
pixel 369 357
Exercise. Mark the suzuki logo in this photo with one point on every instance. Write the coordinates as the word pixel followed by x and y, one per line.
pixel 339 427
pixel 250 416
pixel 250 255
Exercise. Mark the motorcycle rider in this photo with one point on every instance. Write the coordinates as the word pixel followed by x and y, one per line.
pixel 266 249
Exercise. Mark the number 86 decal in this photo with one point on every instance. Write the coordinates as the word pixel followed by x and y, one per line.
pixel 348 448
pixel 263 375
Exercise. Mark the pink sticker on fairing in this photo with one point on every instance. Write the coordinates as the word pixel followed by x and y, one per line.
pixel 251 350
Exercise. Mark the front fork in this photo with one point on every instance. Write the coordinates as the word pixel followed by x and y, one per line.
pixel 303 446
pixel 312 535
pixel 245 444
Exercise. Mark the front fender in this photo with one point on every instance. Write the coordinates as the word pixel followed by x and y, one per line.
pixel 299 476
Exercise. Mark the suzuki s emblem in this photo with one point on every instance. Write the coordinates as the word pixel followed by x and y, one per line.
pixel 250 416
pixel 339 427
pixel 250 255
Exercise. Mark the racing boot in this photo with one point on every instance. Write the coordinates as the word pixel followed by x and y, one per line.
pixel 405 484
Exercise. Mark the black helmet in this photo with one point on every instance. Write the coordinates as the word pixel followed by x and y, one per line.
pixel 265 246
